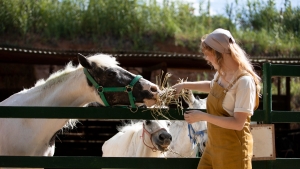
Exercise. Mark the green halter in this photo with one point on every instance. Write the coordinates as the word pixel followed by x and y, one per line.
pixel 102 89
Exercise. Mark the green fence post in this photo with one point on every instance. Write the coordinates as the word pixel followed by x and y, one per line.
pixel 267 99
pixel 267 95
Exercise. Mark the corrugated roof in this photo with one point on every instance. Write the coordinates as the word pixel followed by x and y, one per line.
pixel 144 54
pixel 120 53
pixel 278 61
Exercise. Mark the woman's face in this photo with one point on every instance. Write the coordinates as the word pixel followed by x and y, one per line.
pixel 211 58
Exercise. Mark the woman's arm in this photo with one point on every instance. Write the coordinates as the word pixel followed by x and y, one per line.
pixel 201 86
pixel 235 122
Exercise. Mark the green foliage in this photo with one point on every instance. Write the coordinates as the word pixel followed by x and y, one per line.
pixel 270 31
pixel 258 26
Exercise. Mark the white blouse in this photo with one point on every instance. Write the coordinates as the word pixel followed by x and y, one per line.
pixel 241 97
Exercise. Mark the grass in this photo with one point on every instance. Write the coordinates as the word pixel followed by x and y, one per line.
pixel 143 22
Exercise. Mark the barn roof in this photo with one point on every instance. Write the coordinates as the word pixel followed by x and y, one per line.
pixel 126 58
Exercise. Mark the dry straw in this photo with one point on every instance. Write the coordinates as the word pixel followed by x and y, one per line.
pixel 167 97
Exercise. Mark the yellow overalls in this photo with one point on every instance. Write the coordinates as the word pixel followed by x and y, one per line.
pixel 226 148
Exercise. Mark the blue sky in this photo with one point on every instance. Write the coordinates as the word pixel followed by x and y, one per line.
pixel 218 6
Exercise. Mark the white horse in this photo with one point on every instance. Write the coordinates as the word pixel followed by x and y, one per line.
pixel 71 87
pixel 149 138
pixel 188 139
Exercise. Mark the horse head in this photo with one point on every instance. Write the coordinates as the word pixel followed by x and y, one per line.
pixel 194 103
pixel 115 85
pixel 158 131
pixel 188 139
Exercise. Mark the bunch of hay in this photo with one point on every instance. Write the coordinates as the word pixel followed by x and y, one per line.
pixel 167 97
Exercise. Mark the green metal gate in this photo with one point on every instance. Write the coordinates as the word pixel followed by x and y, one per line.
pixel 267 116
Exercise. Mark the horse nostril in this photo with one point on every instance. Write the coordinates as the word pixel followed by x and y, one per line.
pixel 161 137
pixel 165 136
pixel 153 89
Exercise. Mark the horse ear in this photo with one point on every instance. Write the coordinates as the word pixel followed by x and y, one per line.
pixel 84 61
pixel 148 122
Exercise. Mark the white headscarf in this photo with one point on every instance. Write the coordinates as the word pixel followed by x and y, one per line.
pixel 219 40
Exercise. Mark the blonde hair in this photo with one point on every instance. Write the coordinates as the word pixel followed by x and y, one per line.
pixel 238 55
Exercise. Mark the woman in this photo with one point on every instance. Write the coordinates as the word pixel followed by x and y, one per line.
pixel 233 96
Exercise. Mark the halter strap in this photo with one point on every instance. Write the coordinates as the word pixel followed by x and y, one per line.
pixel 101 89
pixel 193 137
pixel 193 134
pixel 153 148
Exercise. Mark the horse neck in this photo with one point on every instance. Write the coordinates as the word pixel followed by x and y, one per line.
pixel 181 143
pixel 71 90
pixel 74 91
pixel 199 126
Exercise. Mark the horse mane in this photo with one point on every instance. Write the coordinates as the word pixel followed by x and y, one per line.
pixel 57 76
pixel 101 60
pixel 136 126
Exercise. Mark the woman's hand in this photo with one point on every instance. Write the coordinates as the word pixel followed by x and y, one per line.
pixel 201 86
pixel 235 122
pixel 192 116
pixel 178 88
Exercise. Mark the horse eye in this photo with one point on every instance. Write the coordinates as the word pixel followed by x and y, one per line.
pixel 111 74
pixel 148 122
